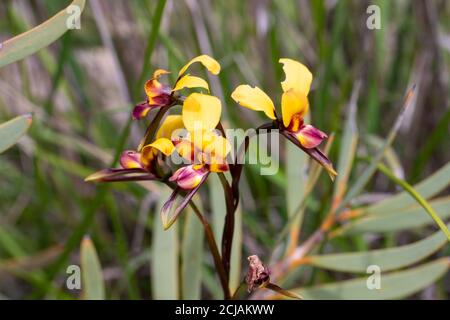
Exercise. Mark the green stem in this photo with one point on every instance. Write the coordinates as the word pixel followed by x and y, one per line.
pixel 408 188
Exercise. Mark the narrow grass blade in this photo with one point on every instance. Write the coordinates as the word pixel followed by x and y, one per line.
pixel 391 158
pixel 218 207
pixel 296 162
pixel 413 193
pixel 370 170
pixel 386 259
pixel 93 285
pixel 164 262
pixel 347 152
pixel 429 187
pixel 192 256
pixel 395 285
pixel 397 220
pixel 41 36
pixel 12 130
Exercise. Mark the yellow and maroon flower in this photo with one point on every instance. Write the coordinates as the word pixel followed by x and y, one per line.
pixel 202 147
pixel 294 107
pixel 205 148
pixel 143 165
pixel 159 94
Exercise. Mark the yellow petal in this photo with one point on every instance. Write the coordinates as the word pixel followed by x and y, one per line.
pixel 150 151
pixel 255 99
pixel 159 72
pixel 162 144
pixel 201 112
pixel 298 77
pixel 185 148
pixel 215 147
pixel 169 125
pixel 292 103
pixel 211 64
pixel 188 81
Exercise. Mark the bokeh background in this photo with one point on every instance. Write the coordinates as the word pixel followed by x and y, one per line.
pixel 82 88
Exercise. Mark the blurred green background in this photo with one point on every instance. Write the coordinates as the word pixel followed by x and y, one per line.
pixel 82 88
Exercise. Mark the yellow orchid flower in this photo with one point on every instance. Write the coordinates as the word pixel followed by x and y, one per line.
pixel 294 107
pixel 203 147
pixel 159 94
pixel 142 165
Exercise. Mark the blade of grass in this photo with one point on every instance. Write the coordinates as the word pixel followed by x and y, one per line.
pixel 424 203
pixel 12 130
pixel 387 259
pixel 393 286
pixel 370 170
pixel 192 256
pixel 37 38
pixel 91 272
pixel 396 220
pixel 164 262
pixel 429 187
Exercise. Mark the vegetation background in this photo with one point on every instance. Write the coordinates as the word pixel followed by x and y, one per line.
pixel 82 88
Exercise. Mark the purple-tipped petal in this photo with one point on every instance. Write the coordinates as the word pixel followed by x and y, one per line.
pixel 309 136
pixel 141 110
pixel 189 177
pixel 131 160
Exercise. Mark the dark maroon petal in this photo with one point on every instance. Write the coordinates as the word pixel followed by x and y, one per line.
pixel 141 110
pixel 111 175
pixel 314 153
pixel 161 100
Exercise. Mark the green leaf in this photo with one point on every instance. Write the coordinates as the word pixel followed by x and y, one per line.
pixel 91 271
pixel 164 262
pixel 296 162
pixel 218 207
pixel 12 130
pixel 192 256
pixel 418 197
pixel 406 219
pixel 349 144
pixel 390 157
pixel 395 285
pixel 386 259
pixel 39 37
pixel 429 187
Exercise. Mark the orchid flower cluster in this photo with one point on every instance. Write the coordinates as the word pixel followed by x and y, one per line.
pixel 196 136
